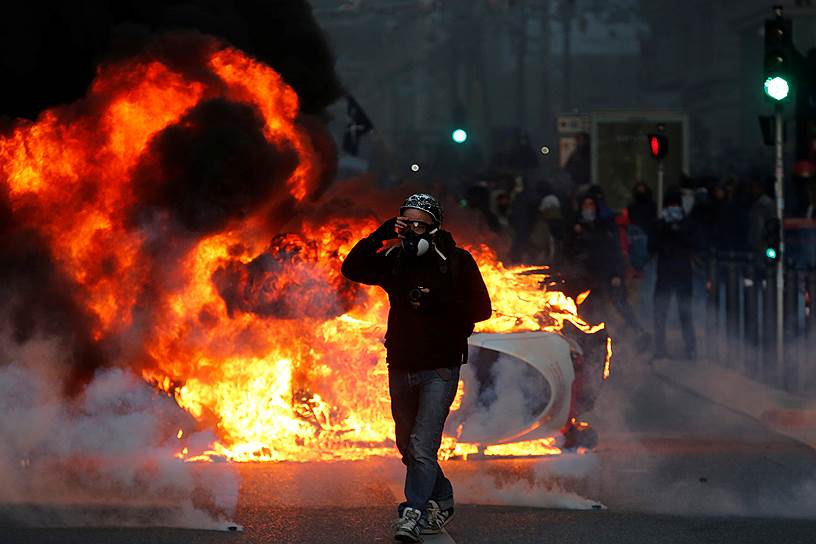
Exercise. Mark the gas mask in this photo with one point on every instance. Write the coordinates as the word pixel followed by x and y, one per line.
pixel 417 245
pixel 673 214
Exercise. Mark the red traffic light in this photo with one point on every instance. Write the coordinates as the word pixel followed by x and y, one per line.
pixel 658 145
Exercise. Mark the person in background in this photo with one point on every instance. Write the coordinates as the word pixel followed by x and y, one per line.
pixel 498 217
pixel 643 208
pixel 642 212
pixel 708 217
pixel 673 244
pixel 605 214
pixel 523 216
pixel 477 195
pixel 546 227
pixel 735 218
pixel 594 250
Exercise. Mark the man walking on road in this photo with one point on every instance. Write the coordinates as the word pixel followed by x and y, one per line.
pixel 437 294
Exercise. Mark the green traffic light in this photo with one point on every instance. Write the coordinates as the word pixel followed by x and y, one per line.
pixel 770 253
pixel 459 136
pixel 777 88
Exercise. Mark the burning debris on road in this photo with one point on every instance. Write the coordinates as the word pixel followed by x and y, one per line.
pixel 171 223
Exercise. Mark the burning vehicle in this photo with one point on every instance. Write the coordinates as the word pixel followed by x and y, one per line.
pixel 555 380
pixel 177 222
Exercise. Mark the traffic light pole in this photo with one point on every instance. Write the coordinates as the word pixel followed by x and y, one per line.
pixel 660 175
pixel 780 259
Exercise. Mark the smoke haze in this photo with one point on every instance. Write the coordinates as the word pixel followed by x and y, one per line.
pixel 104 457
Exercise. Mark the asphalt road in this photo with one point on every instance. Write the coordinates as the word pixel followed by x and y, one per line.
pixel 670 468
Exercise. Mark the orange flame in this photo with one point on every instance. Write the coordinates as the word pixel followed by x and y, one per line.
pixel 544 446
pixel 275 387
pixel 608 361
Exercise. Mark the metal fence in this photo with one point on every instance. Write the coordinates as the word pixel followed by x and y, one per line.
pixel 741 320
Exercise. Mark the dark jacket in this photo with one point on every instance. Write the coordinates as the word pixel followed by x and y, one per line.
pixel 435 334
pixel 595 253
pixel 642 219
pixel 674 244
pixel 643 213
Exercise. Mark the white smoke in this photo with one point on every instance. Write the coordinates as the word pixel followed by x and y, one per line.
pixel 107 457
pixel 550 482
pixel 514 395
pixel 505 406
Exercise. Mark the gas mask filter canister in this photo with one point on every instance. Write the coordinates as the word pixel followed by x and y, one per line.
pixel 417 245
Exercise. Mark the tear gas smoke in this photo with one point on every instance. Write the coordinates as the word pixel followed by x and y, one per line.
pixel 107 456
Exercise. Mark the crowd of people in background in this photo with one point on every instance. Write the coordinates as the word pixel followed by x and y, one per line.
pixel 619 254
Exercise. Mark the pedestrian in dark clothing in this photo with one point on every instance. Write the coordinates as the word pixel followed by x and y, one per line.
pixel 707 217
pixel 604 213
pixel 643 209
pixel 436 295
pixel 594 249
pixel 642 219
pixel 525 158
pixel 736 218
pixel 716 223
pixel 477 196
pixel 523 214
pixel 673 243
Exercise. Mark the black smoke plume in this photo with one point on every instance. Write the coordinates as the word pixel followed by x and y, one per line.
pixel 49 51
pixel 285 282
pixel 213 166
pixel 39 302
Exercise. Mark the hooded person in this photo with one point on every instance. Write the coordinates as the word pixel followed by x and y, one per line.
pixel 673 243
pixel 642 217
pixel 436 295
pixel 593 249
pixel 642 209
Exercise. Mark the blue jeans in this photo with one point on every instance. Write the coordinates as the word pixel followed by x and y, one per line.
pixel 420 402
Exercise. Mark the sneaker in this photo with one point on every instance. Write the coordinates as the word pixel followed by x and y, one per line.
pixel 409 528
pixel 437 518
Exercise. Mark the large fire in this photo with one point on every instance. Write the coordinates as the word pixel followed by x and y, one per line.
pixel 255 333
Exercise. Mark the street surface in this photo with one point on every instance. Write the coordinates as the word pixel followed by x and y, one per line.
pixel 670 468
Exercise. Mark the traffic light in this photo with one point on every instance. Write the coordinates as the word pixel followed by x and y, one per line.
pixel 658 145
pixel 459 135
pixel 779 58
pixel 771 237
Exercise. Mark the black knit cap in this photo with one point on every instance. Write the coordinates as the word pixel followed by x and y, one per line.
pixel 673 198
pixel 425 203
